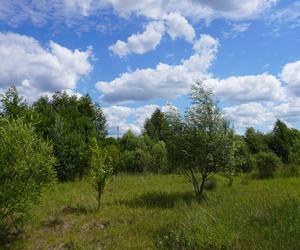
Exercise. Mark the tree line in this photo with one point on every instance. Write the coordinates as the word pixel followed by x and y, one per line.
pixel 64 138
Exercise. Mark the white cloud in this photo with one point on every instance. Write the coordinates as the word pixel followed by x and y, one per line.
pixel 37 70
pixel 164 81
pixel 251 88
pixel 117 117
pixel 69 11
pixel 291 76
pixel 179 27
pixel 142 42
pixel 251 114
pixel 208 9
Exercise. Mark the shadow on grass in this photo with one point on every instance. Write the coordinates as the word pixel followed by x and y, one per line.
pixel 161 199
pixel 8 236
pixel 77 210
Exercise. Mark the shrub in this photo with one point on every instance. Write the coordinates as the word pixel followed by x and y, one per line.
pixel 289 170
pixel 159 157
pixel 267 163
pixel 210 184
pixel 26 165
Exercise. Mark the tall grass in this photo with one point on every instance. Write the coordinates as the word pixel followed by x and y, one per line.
pixel 160 211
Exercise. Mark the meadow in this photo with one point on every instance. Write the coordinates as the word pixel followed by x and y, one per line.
pixel 161 212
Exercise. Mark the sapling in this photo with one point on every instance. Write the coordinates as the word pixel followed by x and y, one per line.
pixel 101 169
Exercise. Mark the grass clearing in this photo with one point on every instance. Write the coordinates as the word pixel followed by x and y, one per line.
pixel 160 211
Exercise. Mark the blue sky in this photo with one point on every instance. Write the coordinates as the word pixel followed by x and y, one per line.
pixel 134 56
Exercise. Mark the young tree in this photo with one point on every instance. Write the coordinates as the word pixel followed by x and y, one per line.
pixel 101 169
pixel 207 139
pixel 26 166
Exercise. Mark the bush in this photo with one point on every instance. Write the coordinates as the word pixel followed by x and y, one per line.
pixel 26 166
pixel 289 170
pixel 267 163
pixel 159 157
pixel 210 184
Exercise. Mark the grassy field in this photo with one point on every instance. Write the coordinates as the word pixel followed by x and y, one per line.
pixel 160 211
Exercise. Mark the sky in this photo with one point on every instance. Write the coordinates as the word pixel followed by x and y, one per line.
pixel 133 56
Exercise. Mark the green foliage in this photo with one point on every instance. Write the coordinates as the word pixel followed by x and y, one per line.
pixel 12 105
pixel 26 165
pixel 267 163
pixel 101 169
pixel 281 140
pixel 175 127
pixel 256 141
pixel 294 155
pixel 135 153
pixel 156 127
pixel 159 157
pixel 206 143
pixel 70 123
pixel 115 155
pixel 241 154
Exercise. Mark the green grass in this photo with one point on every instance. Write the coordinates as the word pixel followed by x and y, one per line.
pixel 160 211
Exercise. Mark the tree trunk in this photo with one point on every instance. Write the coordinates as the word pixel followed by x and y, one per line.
pixel 201 189
pixel 99 199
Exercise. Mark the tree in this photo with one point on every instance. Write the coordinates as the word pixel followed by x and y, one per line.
pixel 26 166
pixel 101 169
pixel 294 155
pixel 70 122
pixel 281 140
pixel 13 105
pixel 255 141
pixel 207 140
pixel 156 127
pixel 172 138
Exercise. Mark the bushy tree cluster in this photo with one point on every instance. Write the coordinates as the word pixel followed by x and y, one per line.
pixel 39 142
pixel 26 165
pixel 70 122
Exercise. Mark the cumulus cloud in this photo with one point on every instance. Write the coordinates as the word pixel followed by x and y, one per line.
pixel 251 114
pixel 288 111
pixel 164 81
pixel 142 42
pixel 251 88
pixel 117 118
pixel 37 70
pixel 179 27
pixel 291 76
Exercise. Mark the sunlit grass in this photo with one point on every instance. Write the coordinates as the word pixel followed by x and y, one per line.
pixel 160 211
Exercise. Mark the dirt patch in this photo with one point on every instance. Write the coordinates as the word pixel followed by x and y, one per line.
pixel 95 225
